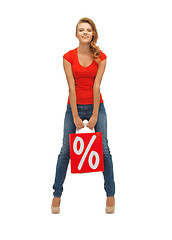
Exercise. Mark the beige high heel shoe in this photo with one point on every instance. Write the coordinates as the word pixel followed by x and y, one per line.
pixel 55 206
pixel 110 205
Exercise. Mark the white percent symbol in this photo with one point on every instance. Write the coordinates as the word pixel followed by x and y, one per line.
pixel 81 148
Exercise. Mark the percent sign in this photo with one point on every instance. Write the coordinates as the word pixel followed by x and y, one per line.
pixel 79 152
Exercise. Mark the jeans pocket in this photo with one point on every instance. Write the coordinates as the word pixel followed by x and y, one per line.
pixel 101 107
pixel 68 107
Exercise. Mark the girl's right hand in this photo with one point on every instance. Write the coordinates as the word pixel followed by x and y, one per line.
pixel 78 123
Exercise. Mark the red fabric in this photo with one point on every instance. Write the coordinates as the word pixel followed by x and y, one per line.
pixel 84 77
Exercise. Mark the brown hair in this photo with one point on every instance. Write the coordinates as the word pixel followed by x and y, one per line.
pixel 95 50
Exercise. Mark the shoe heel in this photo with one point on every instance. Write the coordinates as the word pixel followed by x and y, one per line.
pixel 110 209
pixel 55 210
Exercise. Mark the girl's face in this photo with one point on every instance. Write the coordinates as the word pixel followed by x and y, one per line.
pixel 84 33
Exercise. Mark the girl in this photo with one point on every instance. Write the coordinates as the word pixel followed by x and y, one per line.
pixel 84 67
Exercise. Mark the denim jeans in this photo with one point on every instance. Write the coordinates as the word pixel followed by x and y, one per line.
pixel 84 112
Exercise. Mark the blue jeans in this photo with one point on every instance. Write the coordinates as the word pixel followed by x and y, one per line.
pixel 84 112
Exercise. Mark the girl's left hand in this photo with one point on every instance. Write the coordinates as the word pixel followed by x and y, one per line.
pixel 92 122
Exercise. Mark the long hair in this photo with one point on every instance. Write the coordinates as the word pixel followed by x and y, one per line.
pixel 95 50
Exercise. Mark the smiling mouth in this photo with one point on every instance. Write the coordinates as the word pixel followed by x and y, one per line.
pixel 85 37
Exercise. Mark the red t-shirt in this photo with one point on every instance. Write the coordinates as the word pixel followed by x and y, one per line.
pixel 84 77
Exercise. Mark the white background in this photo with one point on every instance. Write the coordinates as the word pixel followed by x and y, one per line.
pixel 136 36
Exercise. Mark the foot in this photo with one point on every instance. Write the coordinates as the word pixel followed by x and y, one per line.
pixel 55 207
pixel 110 205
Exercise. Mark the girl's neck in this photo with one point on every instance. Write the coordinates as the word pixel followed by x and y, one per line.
pixel 84 49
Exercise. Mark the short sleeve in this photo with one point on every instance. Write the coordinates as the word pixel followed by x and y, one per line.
pixel 102 56
pixel 68 56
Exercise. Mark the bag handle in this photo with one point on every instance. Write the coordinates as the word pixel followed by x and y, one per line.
pixel 85 129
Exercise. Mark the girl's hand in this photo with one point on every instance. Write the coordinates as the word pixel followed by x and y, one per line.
pixel 78 123
pixel 92 122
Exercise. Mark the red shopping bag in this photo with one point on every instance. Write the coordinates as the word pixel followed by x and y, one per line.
pixel 86 152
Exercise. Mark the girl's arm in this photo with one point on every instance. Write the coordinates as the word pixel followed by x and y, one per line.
pixel 96 94
pixel 72 94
